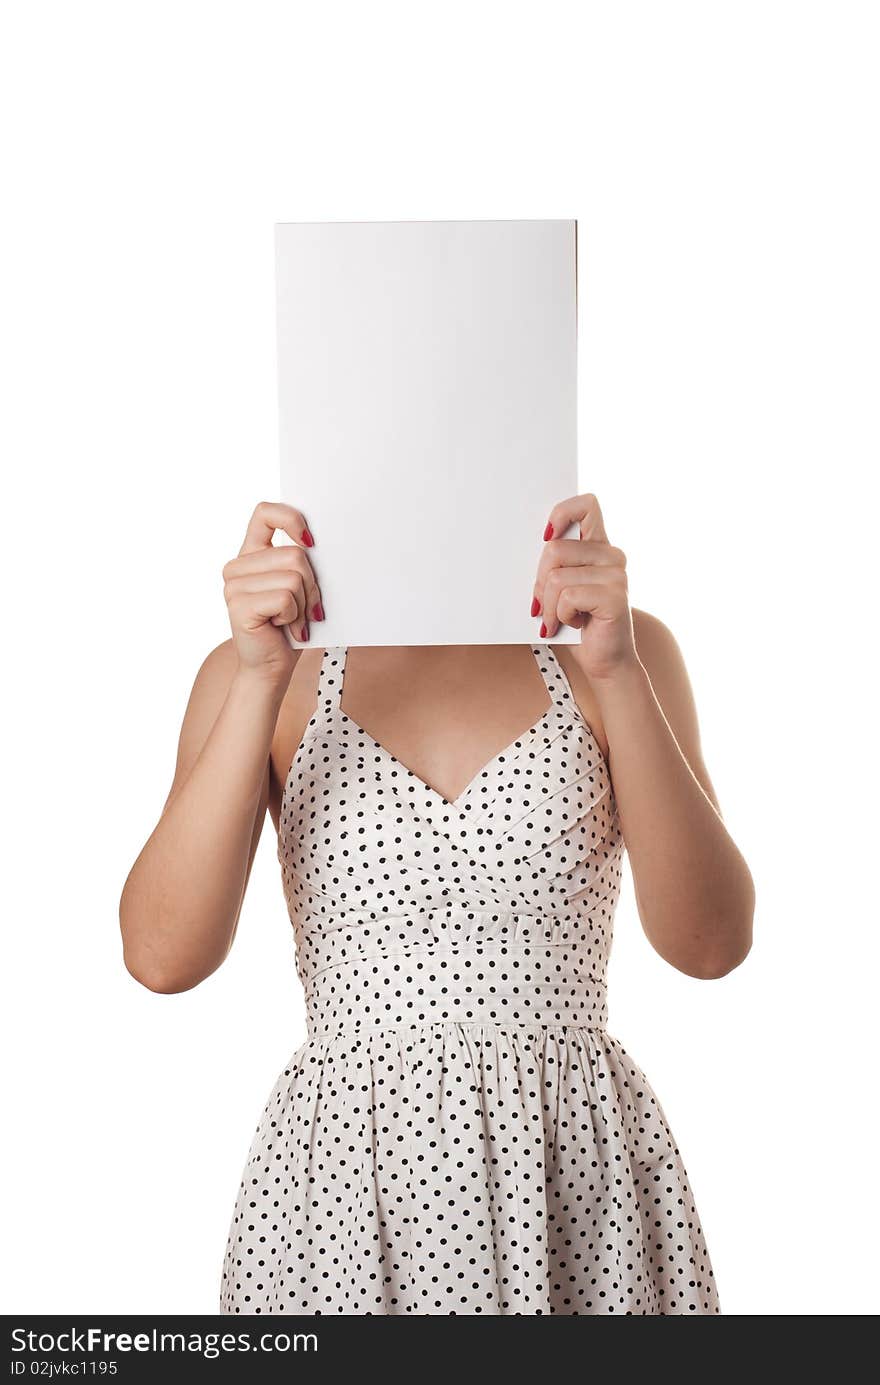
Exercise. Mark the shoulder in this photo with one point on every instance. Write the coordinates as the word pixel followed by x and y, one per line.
pixel 662 658
pixel 653 637
pixel 656 647
pixel 210 689
pixel 660 653
pixel 218 666
pixel 212 680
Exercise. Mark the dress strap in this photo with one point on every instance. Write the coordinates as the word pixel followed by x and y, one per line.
pixel 556 678
pixel 330 677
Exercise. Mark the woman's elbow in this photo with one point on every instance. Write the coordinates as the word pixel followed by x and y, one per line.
pixel 155 975
pixel 727 948
pixel 152 951
pixel 712 964
pixel 155 964
pixel 729 942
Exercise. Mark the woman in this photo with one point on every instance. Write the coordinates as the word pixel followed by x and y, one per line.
pixel 459 1134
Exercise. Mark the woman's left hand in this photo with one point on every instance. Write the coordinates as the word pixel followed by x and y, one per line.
pixel 582 583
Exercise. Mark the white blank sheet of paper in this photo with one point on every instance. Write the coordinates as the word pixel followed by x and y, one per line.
pixel 427 419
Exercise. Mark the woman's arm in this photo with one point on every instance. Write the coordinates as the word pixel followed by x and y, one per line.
pixel 694 890
pixel 182 899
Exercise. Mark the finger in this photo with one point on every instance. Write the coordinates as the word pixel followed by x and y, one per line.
pixel 308 595
pixel 572 553
pixel 277 562
pixel 574 606
pixel 577 604
pixel 275 558
pixel 270 516
pixel 582 510
pixel 280 607
pixel 237 588
pixel 557 609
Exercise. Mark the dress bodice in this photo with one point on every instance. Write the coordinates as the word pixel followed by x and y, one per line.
pixel 384 875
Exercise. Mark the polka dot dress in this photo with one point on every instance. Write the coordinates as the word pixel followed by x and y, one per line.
pixel 459 1134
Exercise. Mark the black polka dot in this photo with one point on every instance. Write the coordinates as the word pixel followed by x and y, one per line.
pixel 459 1134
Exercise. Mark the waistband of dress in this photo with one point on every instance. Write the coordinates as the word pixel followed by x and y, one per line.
pixel 507 985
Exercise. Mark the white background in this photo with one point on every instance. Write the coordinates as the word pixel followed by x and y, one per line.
pixel 721 160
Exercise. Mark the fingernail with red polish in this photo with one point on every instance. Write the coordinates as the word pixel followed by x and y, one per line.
pixel 548 532
pixel 307 538
pixel 304 634
pixel 317 611
pixel 543 630
pixel 536 606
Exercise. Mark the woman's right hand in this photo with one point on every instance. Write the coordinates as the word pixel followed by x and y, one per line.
pixel 268 586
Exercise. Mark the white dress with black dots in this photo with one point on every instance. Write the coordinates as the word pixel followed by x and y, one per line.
pixel 459 1134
